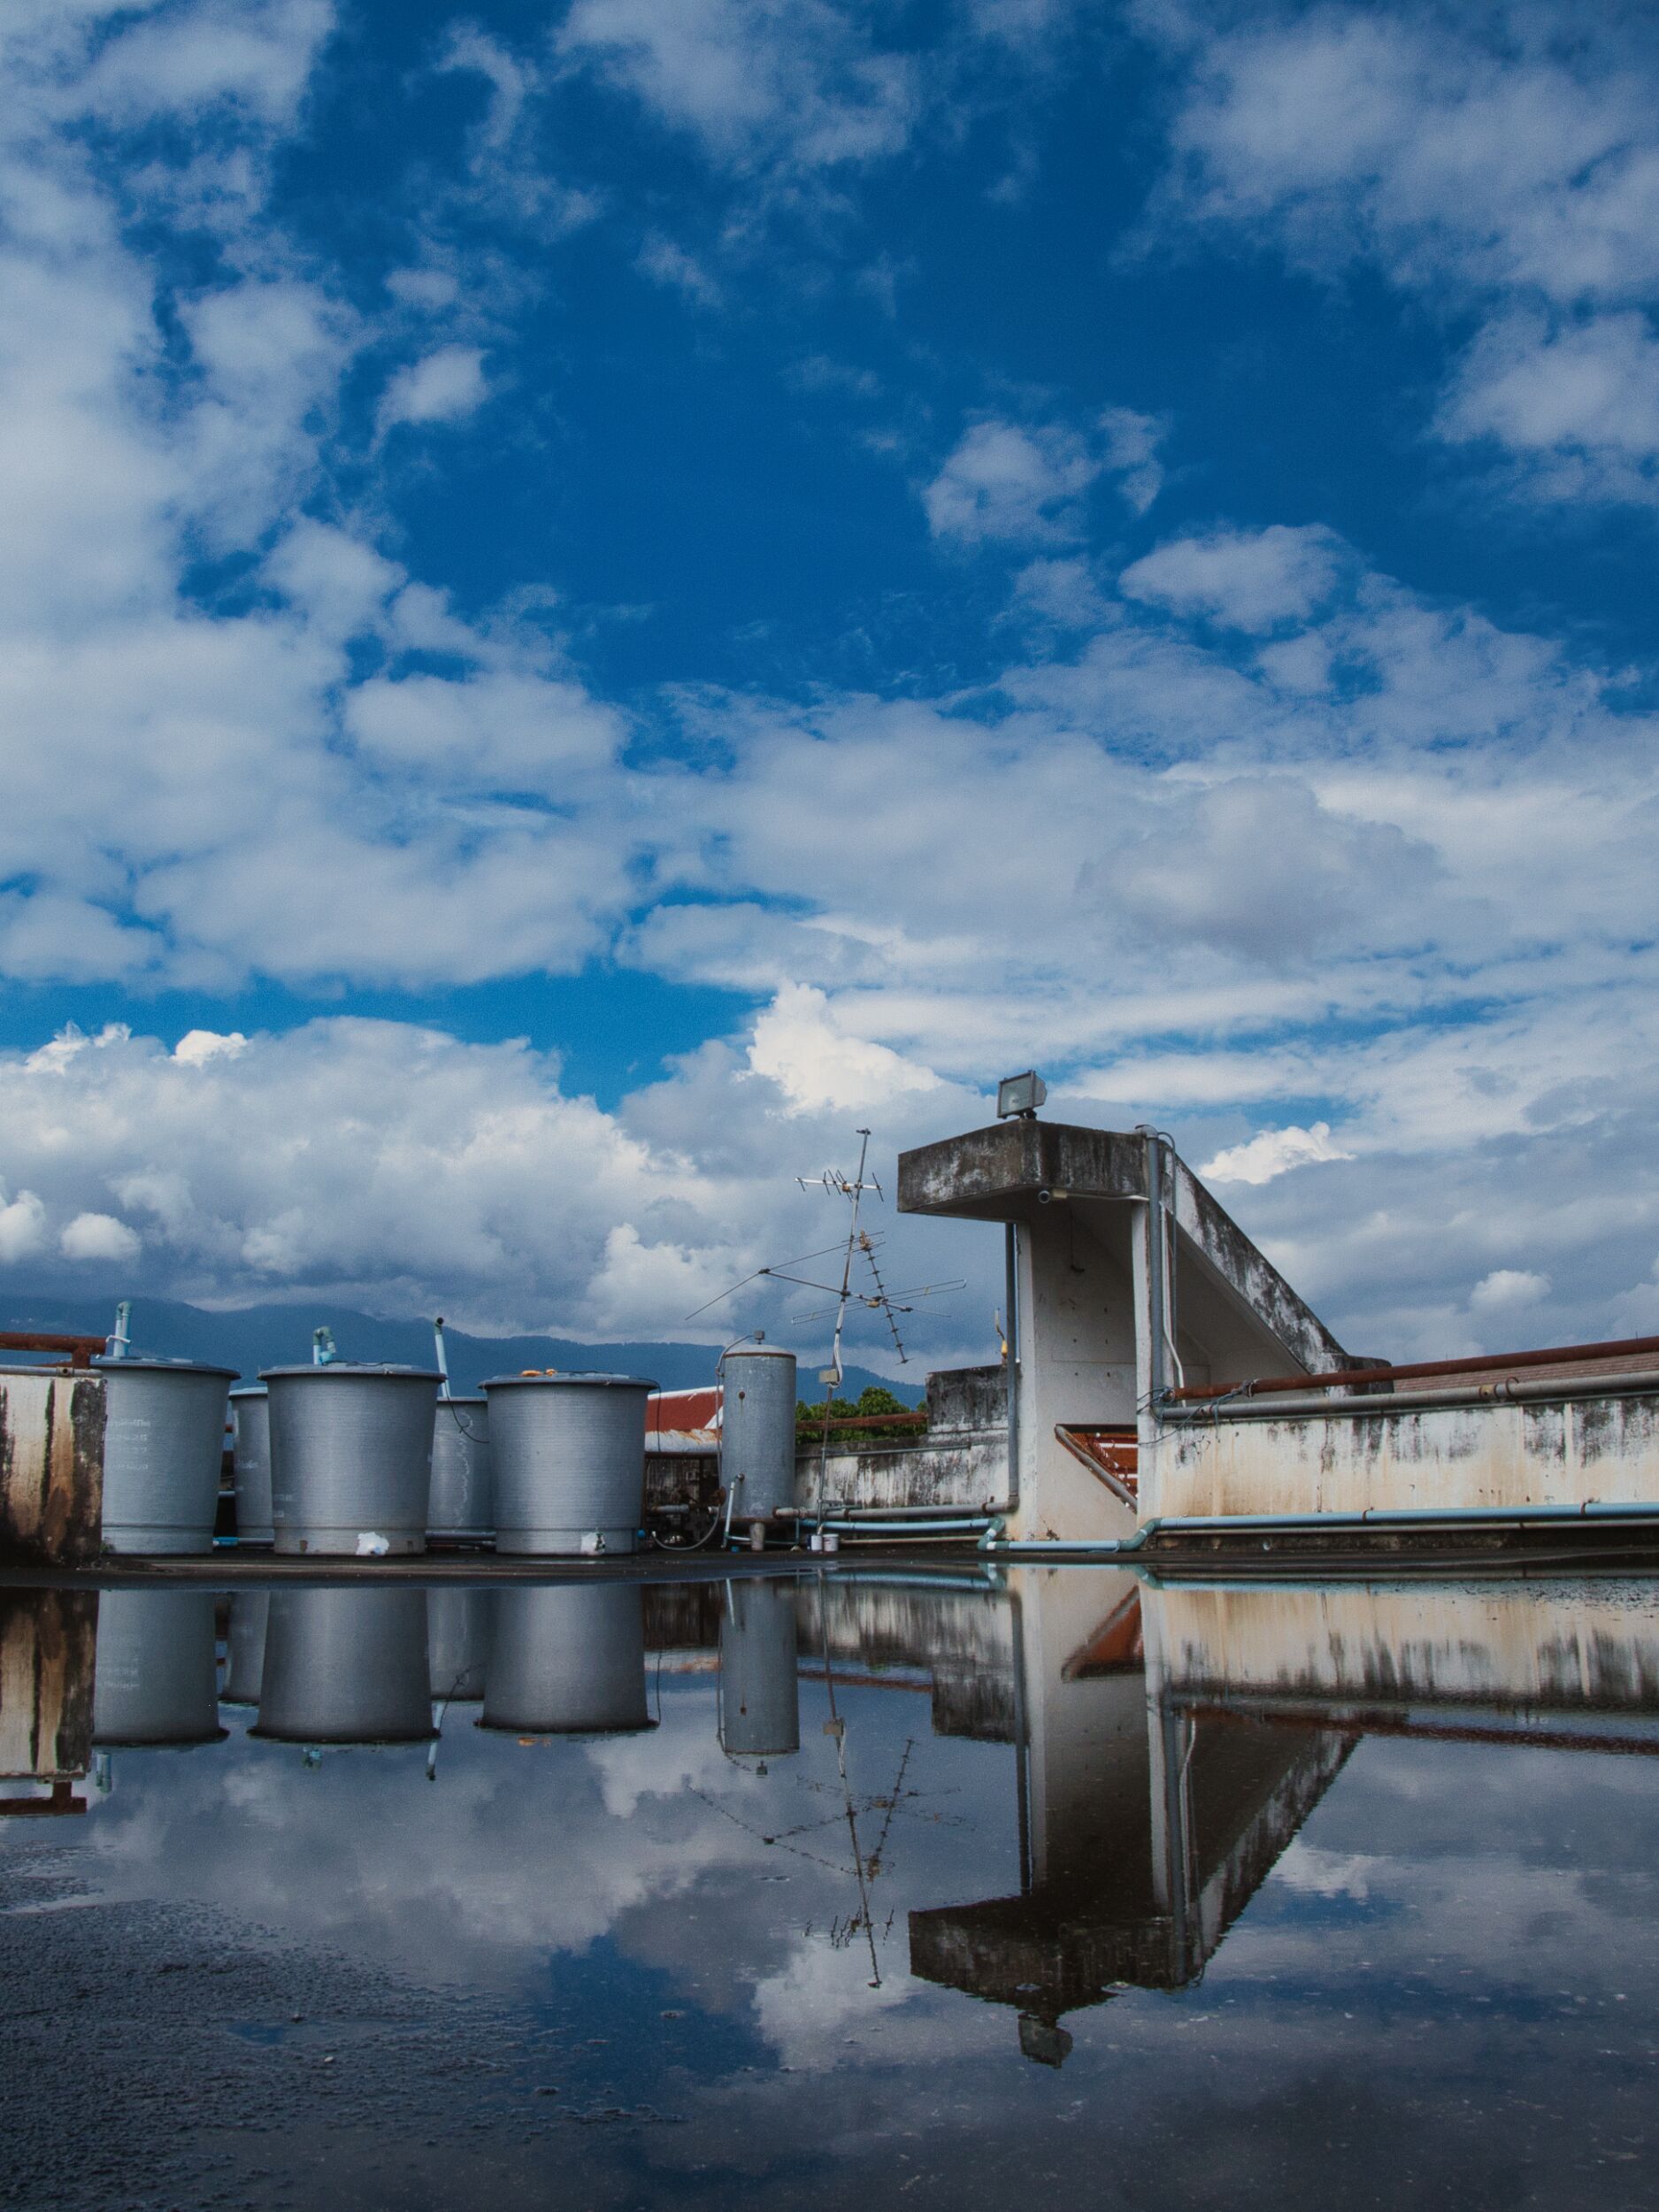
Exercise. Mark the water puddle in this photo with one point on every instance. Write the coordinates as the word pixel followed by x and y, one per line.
pixel 832 1890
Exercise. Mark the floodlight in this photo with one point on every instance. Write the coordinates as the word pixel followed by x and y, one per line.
pixel 1020 1094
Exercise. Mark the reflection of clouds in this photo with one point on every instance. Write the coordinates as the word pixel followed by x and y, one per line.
pixel 1318 1873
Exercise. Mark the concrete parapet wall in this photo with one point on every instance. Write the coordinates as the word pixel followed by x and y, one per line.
pixel 1579 1448
pixel 968 1470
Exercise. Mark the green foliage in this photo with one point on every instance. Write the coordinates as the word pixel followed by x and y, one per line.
pixel 809 1419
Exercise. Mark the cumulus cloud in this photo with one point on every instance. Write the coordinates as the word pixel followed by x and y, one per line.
pixel 22 1226
pixel 1247 580
pixel 1273 1153
pixel 99 1237
pixel 1517 175
pixel 1026 482
pixel 444 387
pixel 1508 1287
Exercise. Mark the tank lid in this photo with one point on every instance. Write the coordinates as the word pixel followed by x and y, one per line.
pixel 250 1390
pixel 756 1351
pixel 355 1367
pixel 155 1365
pixel 463 1398
pixel 570 1382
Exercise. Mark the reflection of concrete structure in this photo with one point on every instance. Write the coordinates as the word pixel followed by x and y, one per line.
pixel 949 1636
pixel 48 1643
pixel 760 1691
pixel 1144 1835
pixel 156 1681
pixel 1570 1663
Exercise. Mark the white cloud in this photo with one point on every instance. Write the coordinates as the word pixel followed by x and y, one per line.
pixel 197 1047
pixel 1247 580
pixel 99 1237
pixel 1132 443
pixel 794 82
pixel 1508 1287
pixel 799 1045
pixel 22 1226
pixel 665 263
pixel 445 386
pixel 1004 481
pixel 1511 167
pixel 1273 1153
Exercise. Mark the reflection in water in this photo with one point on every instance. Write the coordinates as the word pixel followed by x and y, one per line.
pixel 1205 1855
pixel 244 1665
pixel 156 1673
pixel 346 1666
pixel 760 1691
pixel 567 1661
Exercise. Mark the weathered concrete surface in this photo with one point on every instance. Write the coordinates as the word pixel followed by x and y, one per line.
pixel 51 1465
pixel 961 1639
pixel 961 1461
pixel 47 1652
pixel 1564 1646
pixel 1362 1456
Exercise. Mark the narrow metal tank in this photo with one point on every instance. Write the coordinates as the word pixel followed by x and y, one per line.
pixel 351 1457
pixel 244 1667
pixel 345 1666
pixel 568 1453
pixel 155 1680
pixel 458 1643
pixel 461 1509
pixel 760 1690
pixel 164 1445
pixel 250 1419
pixel 567 1661
pixel 757 1429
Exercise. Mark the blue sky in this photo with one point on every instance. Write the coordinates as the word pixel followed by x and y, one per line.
pixel 594 594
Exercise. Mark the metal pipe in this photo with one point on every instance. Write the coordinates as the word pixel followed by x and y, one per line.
pixel 1158 1379
pixel 1511 1390
pixel 120 1343
pixel 897 1512
pixel 1404 1517
pixel 443 1363
pixel 1010 1262
pixel 1477 1363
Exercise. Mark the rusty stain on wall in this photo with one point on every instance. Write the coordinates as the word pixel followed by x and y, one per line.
pixel 51 1465
pixel 48 1647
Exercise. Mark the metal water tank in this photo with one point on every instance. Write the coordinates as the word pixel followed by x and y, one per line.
pixel 244 1665
pixel 757 1429
pixel 346 1666
pixel 350 1458
pixel 155 1680
pixel 568 1453
pixel 458 1643
pixel 250 1420
pixel 164 1444
pixel 461 1509
pixel 567 1661
pixel 760 1690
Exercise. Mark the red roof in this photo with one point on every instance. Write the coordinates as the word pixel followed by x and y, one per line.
pixel 668 1412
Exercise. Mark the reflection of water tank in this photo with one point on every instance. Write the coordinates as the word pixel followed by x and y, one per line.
pixel 156 1676
pixel 567 1661
pixel 458 1643
pixel 757 1429
pixel 346 1666
pixel 244 1669
pixel 462 1506
pixel 568 1453
pixel 251 1418
pixel 351 1457
pixel 164 1443
pixel 760 1697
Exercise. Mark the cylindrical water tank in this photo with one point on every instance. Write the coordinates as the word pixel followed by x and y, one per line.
pixel 568 1453
pixel 350 1458
pixel 461 1509
pixel 757 1430
pixel 346 1666
pixel 164 1444
pixel 250 1419
pixel 458 1643
pixel 245 1668
pixel 155 1681
pixel 760 1693
pixel 567 1661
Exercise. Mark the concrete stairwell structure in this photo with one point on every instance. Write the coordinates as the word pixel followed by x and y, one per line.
pixel 1126 1278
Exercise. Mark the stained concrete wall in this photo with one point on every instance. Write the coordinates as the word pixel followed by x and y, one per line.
pixel 51 1465
pixel 1364 1455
